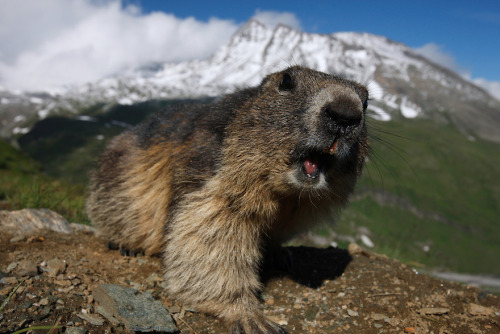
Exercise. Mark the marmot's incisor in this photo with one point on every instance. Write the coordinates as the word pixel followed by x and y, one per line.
pixel 208 186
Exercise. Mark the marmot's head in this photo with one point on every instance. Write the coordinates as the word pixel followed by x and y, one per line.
pixel 307 129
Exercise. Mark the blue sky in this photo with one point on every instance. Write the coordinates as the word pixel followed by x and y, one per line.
pixel 467 31
pixel 53 43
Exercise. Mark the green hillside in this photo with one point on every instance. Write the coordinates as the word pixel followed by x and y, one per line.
pixel 433 187
pixel 23 185
pixel 426 184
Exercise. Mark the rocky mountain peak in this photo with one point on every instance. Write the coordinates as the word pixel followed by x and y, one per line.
pixel 401 82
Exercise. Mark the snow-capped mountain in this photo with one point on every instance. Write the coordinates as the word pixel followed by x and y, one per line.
pixel 401 82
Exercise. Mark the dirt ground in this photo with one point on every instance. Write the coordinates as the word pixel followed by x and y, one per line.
pixel 329 291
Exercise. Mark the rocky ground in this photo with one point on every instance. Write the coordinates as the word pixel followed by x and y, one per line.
pixel 67 279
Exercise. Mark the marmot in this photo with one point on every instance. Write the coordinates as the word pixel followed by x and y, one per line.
pixel 208 186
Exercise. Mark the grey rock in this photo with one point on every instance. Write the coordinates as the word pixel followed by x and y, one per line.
pixel 137 311
pixel 28 221
pixel 27 268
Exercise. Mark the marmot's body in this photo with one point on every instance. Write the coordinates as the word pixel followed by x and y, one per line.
pixel 207 186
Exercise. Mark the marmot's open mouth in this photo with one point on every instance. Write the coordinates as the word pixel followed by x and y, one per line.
pixel 313 163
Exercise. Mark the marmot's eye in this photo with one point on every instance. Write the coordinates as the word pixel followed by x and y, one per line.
pixel 365 105
pixel 286 82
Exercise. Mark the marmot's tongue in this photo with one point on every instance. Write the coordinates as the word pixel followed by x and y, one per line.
pixel 310 166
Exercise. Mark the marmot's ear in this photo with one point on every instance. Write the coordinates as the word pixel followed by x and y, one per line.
pixel 271 81
pixel 287 83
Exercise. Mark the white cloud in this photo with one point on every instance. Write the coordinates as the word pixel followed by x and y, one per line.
pixel 438 55
pixel 492 87
pixel 272 18
pixel 58 42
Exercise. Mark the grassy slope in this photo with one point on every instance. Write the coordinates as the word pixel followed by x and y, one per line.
pixel 22 185
pixel 434 171
pixel 453 182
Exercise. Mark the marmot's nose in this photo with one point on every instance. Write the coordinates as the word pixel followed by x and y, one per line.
pixel 342 114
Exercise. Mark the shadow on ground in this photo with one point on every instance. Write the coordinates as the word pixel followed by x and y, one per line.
pixel 307 265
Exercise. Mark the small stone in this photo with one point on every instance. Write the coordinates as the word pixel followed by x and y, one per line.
pixel 63 282
pixel 475 309
pixel 56 267
pixel 378 316
pixel 433 310
pixel 17 238
pixel 27 268
pixel 11 267
pixel 5 292
pixel 410 330
pixel 76 281
pixel 352 313
pixel 93 319
pixel 9 280
pixel 44 302
pixel 75 330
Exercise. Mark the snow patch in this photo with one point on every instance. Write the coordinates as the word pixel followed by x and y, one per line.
pixel 22 131
pixel 409 109
pixel 19 118
pixel 36 100
pixel 367 241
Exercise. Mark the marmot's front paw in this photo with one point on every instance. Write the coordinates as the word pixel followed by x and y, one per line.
pixel 257 326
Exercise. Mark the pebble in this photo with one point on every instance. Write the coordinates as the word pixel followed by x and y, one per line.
pixel 75 330
pixel 475 309
pixel 17 238
pixel 378 316
pixel 63 282
pixel 27 268
pixel 11 267
pixel 44 302
pixel 9 280
pixel 433 310
pixel 93 319
pixel 352 313
pixel 56 267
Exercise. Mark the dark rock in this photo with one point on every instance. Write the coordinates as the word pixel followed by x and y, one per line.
pixel 137 311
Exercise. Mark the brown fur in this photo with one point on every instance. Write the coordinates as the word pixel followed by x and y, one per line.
pixel 209 186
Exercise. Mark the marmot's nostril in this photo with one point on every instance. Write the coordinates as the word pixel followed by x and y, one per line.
pixel 343 113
